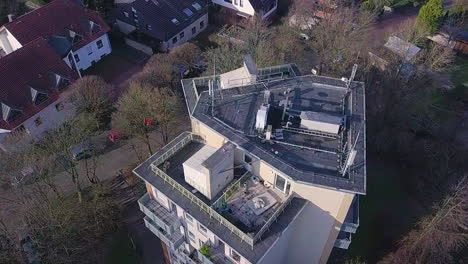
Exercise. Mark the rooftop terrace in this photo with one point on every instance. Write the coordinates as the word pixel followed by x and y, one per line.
pixel 312 157
pixel 232 211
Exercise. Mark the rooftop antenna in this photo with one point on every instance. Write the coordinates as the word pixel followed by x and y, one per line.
pixel 352 153
pixel 211 86
pixel 353 74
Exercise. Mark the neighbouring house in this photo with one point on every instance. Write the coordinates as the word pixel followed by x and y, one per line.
pixel 454 38
pixel 78 35
pixel 271 172
pixel 396 52
pixel 160 25
pixel 34 94
pixel 240 9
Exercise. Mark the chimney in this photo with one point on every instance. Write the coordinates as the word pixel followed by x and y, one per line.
pixel 11 17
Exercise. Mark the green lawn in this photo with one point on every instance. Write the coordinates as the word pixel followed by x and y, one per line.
pixel 386 213
pixel 121 250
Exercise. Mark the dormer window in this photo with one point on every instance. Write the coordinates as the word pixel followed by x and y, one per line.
pixel 9 113
pixel 94 27
pixel 59 82
pixel 75 37
pixel 38 96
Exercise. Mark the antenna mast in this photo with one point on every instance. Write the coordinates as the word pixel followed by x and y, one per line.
pixel 353 74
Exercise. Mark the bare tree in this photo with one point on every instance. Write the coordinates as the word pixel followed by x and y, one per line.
pixel 137 112
pixel 437 58
pixel 439 235
pixel 340 37
pixel 59 143
pixel 95 98
pixel 186 55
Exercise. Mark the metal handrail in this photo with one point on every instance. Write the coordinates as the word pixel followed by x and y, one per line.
pixel 180 142
pixel 273 218
pixel 231 187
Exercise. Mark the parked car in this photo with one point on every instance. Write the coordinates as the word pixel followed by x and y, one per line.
pixel 82 151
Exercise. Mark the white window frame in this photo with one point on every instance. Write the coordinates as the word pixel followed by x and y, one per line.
pixel 201 227
pixel 285 182
pixel 189 218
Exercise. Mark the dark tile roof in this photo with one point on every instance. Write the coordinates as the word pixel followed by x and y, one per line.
pixel 159 15
pixel 27 72
pixel 58 18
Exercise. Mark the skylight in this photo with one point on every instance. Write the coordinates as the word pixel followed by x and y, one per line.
pixel 196 5
pixel 175 21
pixel 188 12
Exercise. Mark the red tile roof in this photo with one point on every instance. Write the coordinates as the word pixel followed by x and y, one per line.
pixel 56 19
pixel 30 66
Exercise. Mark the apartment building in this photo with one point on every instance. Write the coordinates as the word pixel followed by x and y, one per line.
pixel 270 173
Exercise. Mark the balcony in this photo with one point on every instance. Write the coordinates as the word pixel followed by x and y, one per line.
pixel 343 240
pixel 351 222
pixel 217 256
pixel 175 151
pixel 161 222
pixel 171 240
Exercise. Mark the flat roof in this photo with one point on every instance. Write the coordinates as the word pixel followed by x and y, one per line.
pixel 310 158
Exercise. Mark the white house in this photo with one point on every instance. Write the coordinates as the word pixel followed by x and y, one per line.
pixel 249 8
pixel 77 34
pixel 41 54
pixel 34 94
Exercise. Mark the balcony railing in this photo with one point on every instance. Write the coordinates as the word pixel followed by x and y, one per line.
pixel 159 214
pixel 173 240
pixel 173 147
pixel 230 191
pixel 343 241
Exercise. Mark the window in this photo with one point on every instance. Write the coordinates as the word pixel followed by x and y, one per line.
pixel 280 183
pixel 196 5
pixel 202 228
pixel 241 3
pixel 235 2
pixel 189 218
pixel 188 12
pixel 235 256
pixel 77 58
pixel 38 121
pixel 90 49
pixel 194 30
pixel 174 40
pixel 148 27
pixel 99 44
pixel 191 236
pixel 59 107
pixel 247 158
pixel 126 14
pixel 175 21
pixel 182 35
pixel 202 24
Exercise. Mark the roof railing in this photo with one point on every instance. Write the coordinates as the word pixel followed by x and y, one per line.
pixel 177 144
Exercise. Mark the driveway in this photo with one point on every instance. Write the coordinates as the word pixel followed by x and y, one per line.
pixel 389 23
